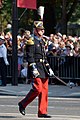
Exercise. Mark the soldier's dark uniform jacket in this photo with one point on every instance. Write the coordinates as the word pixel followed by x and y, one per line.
pixel 36 55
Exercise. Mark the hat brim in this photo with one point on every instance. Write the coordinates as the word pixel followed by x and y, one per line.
pixel 42 28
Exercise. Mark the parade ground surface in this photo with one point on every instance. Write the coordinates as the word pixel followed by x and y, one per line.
pixel 64 103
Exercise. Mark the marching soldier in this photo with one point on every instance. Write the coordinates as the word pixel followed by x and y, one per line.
pixel 38 71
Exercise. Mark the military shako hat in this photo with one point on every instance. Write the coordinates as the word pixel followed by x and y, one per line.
pixel 38 24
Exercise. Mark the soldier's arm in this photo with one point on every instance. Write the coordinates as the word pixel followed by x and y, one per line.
pixel 30 57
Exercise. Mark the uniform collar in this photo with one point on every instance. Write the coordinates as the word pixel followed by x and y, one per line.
pixel 36 37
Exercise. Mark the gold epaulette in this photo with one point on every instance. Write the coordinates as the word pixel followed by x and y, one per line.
pixel 30 41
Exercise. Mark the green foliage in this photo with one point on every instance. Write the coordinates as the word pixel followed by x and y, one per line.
pixel 58 9
pixel 75 18
pixel 27 19
pixel 5 13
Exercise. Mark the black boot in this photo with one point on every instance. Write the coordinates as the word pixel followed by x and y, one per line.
pixel 21 109
pixel 44 116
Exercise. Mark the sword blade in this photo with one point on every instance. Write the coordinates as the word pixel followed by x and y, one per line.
pixel 62 81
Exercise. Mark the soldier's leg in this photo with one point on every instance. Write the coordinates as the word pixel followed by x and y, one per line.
pixel 33 93
pixel 43 98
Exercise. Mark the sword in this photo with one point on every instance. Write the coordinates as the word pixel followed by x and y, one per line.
pixel 62 81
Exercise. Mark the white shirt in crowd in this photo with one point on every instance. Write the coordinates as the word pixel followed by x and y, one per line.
pixel 3 53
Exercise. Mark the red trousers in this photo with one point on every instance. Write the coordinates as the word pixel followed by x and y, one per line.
pixel 40 89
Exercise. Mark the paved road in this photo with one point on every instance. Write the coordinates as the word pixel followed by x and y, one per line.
pixel 59 108
pixel 54 90
pixel 64 103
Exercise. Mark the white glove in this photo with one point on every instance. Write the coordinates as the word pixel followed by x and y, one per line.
pixel 35 73
pixel 7 63
pixel 51 73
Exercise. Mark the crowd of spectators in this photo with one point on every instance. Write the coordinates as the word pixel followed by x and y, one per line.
pixel 63 45
pixel 56 45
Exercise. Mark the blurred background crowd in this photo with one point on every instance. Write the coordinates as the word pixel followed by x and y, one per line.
pixel 55 44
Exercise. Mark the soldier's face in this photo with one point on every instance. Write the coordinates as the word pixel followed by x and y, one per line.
pixel 40 31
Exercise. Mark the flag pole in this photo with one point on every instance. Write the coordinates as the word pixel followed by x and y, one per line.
pixel 22 14
pixel 14 43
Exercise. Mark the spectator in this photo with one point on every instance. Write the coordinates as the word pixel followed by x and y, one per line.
pixel 61 49
pixel 52 51
pixel 3 61
pixel 76 51
pixel 24 71
pixel 68 51
pixel 21 32
pixel 8 41
pixel 56 41
pixel 20 60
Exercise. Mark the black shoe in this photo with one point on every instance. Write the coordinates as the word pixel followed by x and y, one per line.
pixel 21 109
pixel 44 116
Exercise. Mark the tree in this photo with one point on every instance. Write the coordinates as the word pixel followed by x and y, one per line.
pixel 0 3
pixel 57 14
pixel 67 7
pixel 5 14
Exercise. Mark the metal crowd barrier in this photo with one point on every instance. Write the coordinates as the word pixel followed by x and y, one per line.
pixel 63 67
pixel 9 68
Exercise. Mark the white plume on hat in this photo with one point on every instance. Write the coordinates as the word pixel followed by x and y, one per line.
pixel 41 11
